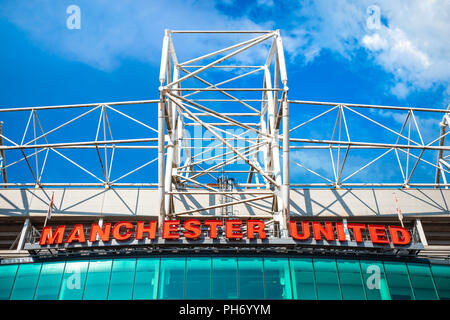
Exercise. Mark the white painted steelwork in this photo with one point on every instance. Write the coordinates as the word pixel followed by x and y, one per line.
pixel 195 93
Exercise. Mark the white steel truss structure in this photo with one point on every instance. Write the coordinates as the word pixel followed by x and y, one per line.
pixel 241 110
pixel 178 107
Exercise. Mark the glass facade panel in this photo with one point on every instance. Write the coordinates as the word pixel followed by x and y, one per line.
pixel 26 280
pixel 198 278
pixel 146 278
pixel 327 280
pixel 72 285
pixel 97 280
pixel 7 275
pixel 251 278
pixel 224 278
pixel 277 278
pixel 49 281
pixel 171 282
pixel 350 278
pixel 375 281
pixel 441 275
pixel 122 278
pixel 422 281
pixel 398 280
pixel 303 282
pixel 174 277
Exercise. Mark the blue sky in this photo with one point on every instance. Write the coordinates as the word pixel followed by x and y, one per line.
pixel 331 53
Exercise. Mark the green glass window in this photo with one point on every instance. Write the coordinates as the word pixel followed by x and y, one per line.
pixel 224 278
pixel 398 280
pixel 122 278
pixel 251 278
pixel 146 279
pixel 72 285
pixel 171 283
pixel 73 281
pixel 7 275
pixel 327 280
pixel 97 280
pixel 375 281
pixel 277 278
pixel 441 275
pixel 422 281
pixel 303 282
pixel 350 278
pixel 49 281
pixel 26 279
pixel 198 278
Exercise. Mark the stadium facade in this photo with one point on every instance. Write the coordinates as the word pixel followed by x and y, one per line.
pixel 228 217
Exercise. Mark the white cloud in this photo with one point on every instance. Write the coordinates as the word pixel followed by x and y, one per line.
pixel 374 42
pixel 267 3
pixel 112 30
pixel 427 123
pixel 413 44
pixel 324 24
pixel 400 90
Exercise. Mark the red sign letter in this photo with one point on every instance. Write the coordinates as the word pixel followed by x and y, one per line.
pixel 378 234
pixel 404 238
pixel 256 226
pixel 318 230
pixel 140 229
pixel 77 234
pixel 356 227
pixel 233 229
pixel 103 234
pixel 294 231
pixel 48 237
pixel 170 226
pixel 116 230
pixel 193 226
pixel 212 227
